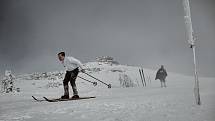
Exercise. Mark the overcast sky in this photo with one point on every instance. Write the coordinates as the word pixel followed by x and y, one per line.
pixel 144 33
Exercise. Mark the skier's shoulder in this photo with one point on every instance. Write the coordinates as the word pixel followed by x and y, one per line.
pixel 71 58
pixel 164 69
pixel 160 69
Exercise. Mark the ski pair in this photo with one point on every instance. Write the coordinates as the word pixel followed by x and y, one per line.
pixel 59 99
pixel 142 77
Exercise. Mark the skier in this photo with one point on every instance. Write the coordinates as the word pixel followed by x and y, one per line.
pixel 72 66
pixel 161 75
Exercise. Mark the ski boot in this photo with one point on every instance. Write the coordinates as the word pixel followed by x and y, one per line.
pixel 65 97
pixel 75 97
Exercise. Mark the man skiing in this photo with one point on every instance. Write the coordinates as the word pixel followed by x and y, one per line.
pixel 161 75
pixel 72 66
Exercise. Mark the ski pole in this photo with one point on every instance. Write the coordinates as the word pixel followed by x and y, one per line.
pixel 109 85
pixel 94 83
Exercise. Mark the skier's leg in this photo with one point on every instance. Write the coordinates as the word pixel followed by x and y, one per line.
pixel 66 88
pixel 161 83
pixel 74 87
pixel 65 84
pixel 164 83
pixel 72 82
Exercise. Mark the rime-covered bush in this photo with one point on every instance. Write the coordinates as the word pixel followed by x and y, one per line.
pixel 7 83
pixel 125 81
pixel 53 84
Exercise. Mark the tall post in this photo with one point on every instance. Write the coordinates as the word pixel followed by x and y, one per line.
pixel 192 42
pixel 196 86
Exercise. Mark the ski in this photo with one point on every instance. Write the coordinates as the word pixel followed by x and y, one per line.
pixel 59 99
pixel 143 77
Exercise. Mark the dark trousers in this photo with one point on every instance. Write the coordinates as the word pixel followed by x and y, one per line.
pixel 163 82
pixel 70 77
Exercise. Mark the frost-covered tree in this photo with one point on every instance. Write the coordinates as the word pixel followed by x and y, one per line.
pixel 7 83
pixel 126 81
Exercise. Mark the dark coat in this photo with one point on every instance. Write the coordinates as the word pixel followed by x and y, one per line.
pixel 161 74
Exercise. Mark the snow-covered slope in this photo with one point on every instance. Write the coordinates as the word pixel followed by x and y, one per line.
pixel 136 103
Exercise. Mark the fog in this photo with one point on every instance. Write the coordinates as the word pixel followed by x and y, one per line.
pixel 144 33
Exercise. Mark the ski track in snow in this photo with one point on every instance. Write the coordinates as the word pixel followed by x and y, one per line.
pixel 151 103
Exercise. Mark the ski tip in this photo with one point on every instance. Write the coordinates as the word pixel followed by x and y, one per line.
pixel 34 98
pixel 51 100
pixel 47 99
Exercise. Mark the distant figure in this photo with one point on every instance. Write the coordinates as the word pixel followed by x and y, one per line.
pixel 72 66
pixel 161 75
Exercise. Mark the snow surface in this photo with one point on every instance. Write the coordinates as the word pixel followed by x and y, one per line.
pixel 150 103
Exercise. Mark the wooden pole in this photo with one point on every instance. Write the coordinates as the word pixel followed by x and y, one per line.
pixel 196 86
pixel 192 42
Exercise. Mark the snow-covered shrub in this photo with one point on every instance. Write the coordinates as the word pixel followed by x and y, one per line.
pixel 43 76
pixel 53 84
pixel 106 60
pixel 91 70
pixel 60 75
pixel 116 70
pixel 125 81
pixel 7 83
pixel 36 76
pixel 52 77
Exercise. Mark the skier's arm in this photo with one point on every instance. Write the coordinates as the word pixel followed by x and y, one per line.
pixel 156 77
pixel 159 71
pixel 76 61
pixel 165 72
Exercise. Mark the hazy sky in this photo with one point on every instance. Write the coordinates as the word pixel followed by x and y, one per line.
pixel 135 32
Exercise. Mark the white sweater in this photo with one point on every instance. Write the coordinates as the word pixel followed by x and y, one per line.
pixel 71 63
